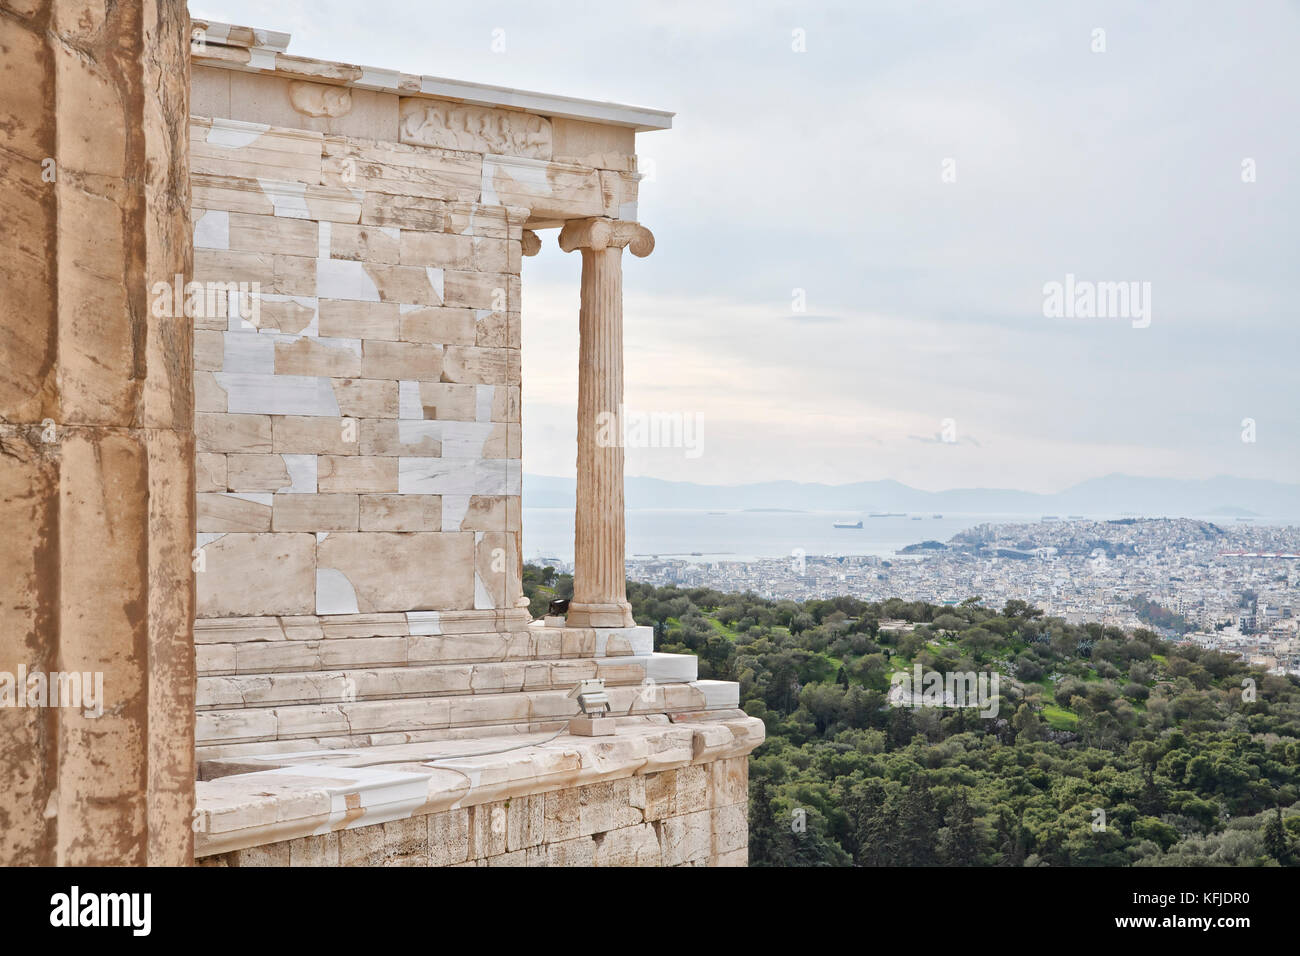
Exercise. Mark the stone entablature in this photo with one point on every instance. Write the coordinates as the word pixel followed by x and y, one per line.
pixel 245 49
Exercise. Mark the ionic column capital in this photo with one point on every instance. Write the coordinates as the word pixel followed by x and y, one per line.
pixel 602 233
pixel 530 243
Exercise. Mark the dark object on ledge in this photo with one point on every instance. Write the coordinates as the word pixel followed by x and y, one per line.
pixel 558 608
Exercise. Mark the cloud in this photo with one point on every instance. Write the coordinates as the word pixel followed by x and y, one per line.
pixel 822 171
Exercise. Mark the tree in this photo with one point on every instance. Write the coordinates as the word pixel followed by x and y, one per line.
pixel 1276 842
pixel 959 838
pixel 917 822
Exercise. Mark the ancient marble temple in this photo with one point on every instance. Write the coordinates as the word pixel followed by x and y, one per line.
pixel 363 679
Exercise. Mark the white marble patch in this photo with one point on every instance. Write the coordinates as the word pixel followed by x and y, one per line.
pixel 261 59
pixel 212 230
pixel 454 508
pixel 234 134
pixel 531 174
pixel 641 638
pixel 408 400
pixel 435 476
pixel 413 432
pixel 718 694
pixel 671 668
pixel 482 596
pixel 259 497
pixel 334 592
pixel 483 398
pixel 421 623
pixel 496 476
pixel 249 353
pixel 278 394
pixel 289 200
pixel 302 475
pixel 344 279
pixel 373 78
pixel 465 439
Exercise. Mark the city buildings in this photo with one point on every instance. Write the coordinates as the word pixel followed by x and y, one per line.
pixel 1235 587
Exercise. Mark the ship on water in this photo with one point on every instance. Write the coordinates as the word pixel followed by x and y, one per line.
pixel 886 514
pixel 853 525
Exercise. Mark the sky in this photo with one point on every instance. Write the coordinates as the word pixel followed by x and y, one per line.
pixel 914 177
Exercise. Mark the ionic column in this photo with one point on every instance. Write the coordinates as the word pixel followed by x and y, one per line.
pixel 96 436
pixel 599 580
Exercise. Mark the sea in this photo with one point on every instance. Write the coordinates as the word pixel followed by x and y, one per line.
pixel 752 535
pixel 749 535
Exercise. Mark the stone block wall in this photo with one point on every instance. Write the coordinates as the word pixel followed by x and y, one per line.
pixel 357 255
pixel 695 815
pixel 358 458
pixel 359 437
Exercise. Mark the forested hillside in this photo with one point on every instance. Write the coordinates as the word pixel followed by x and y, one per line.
pixel 1109 748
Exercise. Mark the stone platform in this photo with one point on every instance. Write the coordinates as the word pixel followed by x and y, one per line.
pixel 663 791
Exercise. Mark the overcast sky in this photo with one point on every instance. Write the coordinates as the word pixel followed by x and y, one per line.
pixel 823 171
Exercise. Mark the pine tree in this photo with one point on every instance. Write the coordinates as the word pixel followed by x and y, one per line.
pixel 1275 838
pixel 760 825
pixel 959 839
pixel 917 824
pixel 871 825
pixel 902 727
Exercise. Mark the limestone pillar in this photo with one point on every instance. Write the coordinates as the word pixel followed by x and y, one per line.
pixel 96 435
pixel 599 581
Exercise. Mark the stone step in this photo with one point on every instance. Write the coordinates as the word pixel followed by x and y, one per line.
pixel 403 715
pixel 272 650
pixel 223 759
pixel 439 680
pixel 217 759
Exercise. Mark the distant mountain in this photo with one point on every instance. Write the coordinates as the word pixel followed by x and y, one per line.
pixel 1114 494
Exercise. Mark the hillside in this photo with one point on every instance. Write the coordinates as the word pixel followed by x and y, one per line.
pixel 1108 748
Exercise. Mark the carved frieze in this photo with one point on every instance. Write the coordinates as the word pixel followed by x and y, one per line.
pixel 475 128
pixel 320 99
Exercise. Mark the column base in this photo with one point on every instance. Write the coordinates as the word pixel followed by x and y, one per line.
pixel 600 615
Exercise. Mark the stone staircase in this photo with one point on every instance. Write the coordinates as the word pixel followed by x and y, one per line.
pixel 289 685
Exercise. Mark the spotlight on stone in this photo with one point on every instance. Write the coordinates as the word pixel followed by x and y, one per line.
pixel 594 703
pixel 555 613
